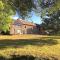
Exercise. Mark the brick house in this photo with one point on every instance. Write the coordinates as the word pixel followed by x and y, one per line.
pixel 23 27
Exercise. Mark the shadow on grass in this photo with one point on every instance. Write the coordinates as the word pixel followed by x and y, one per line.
pixel 23 42
pixel 28 57
pixel 17 57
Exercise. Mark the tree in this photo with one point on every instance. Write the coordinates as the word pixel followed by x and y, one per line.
pixel 5 15
pixel 52 23
pixel 22 6
pixel 50 6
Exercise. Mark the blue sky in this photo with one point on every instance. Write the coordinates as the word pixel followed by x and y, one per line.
pixel 34 18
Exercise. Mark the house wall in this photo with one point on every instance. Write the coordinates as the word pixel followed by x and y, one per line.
pixel 27 29
pixel 12 29
pixel 24 29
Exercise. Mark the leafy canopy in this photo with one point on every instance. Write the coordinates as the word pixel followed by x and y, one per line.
pixel 53 22
pixel 5 15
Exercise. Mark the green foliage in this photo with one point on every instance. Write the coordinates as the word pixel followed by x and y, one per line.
pixel 1 5
pixel 53 22
pixel 24 6
pixel 5 15
pixel 54 8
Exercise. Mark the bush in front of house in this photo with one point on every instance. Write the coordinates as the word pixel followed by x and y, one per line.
pixel 5 33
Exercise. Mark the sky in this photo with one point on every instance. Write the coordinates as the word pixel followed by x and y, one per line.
pixel 34 18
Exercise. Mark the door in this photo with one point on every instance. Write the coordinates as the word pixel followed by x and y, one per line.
pixel 19 31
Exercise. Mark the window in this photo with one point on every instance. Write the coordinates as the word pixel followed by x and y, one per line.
pixel 18 24
pixel 25 26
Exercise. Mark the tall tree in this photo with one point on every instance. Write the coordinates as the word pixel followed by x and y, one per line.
pixel 52 22
pixel 5 15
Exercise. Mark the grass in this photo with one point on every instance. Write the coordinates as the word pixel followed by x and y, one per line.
pixel 27 36
pixel 34 45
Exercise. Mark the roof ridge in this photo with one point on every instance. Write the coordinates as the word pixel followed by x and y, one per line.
pixel 25 21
